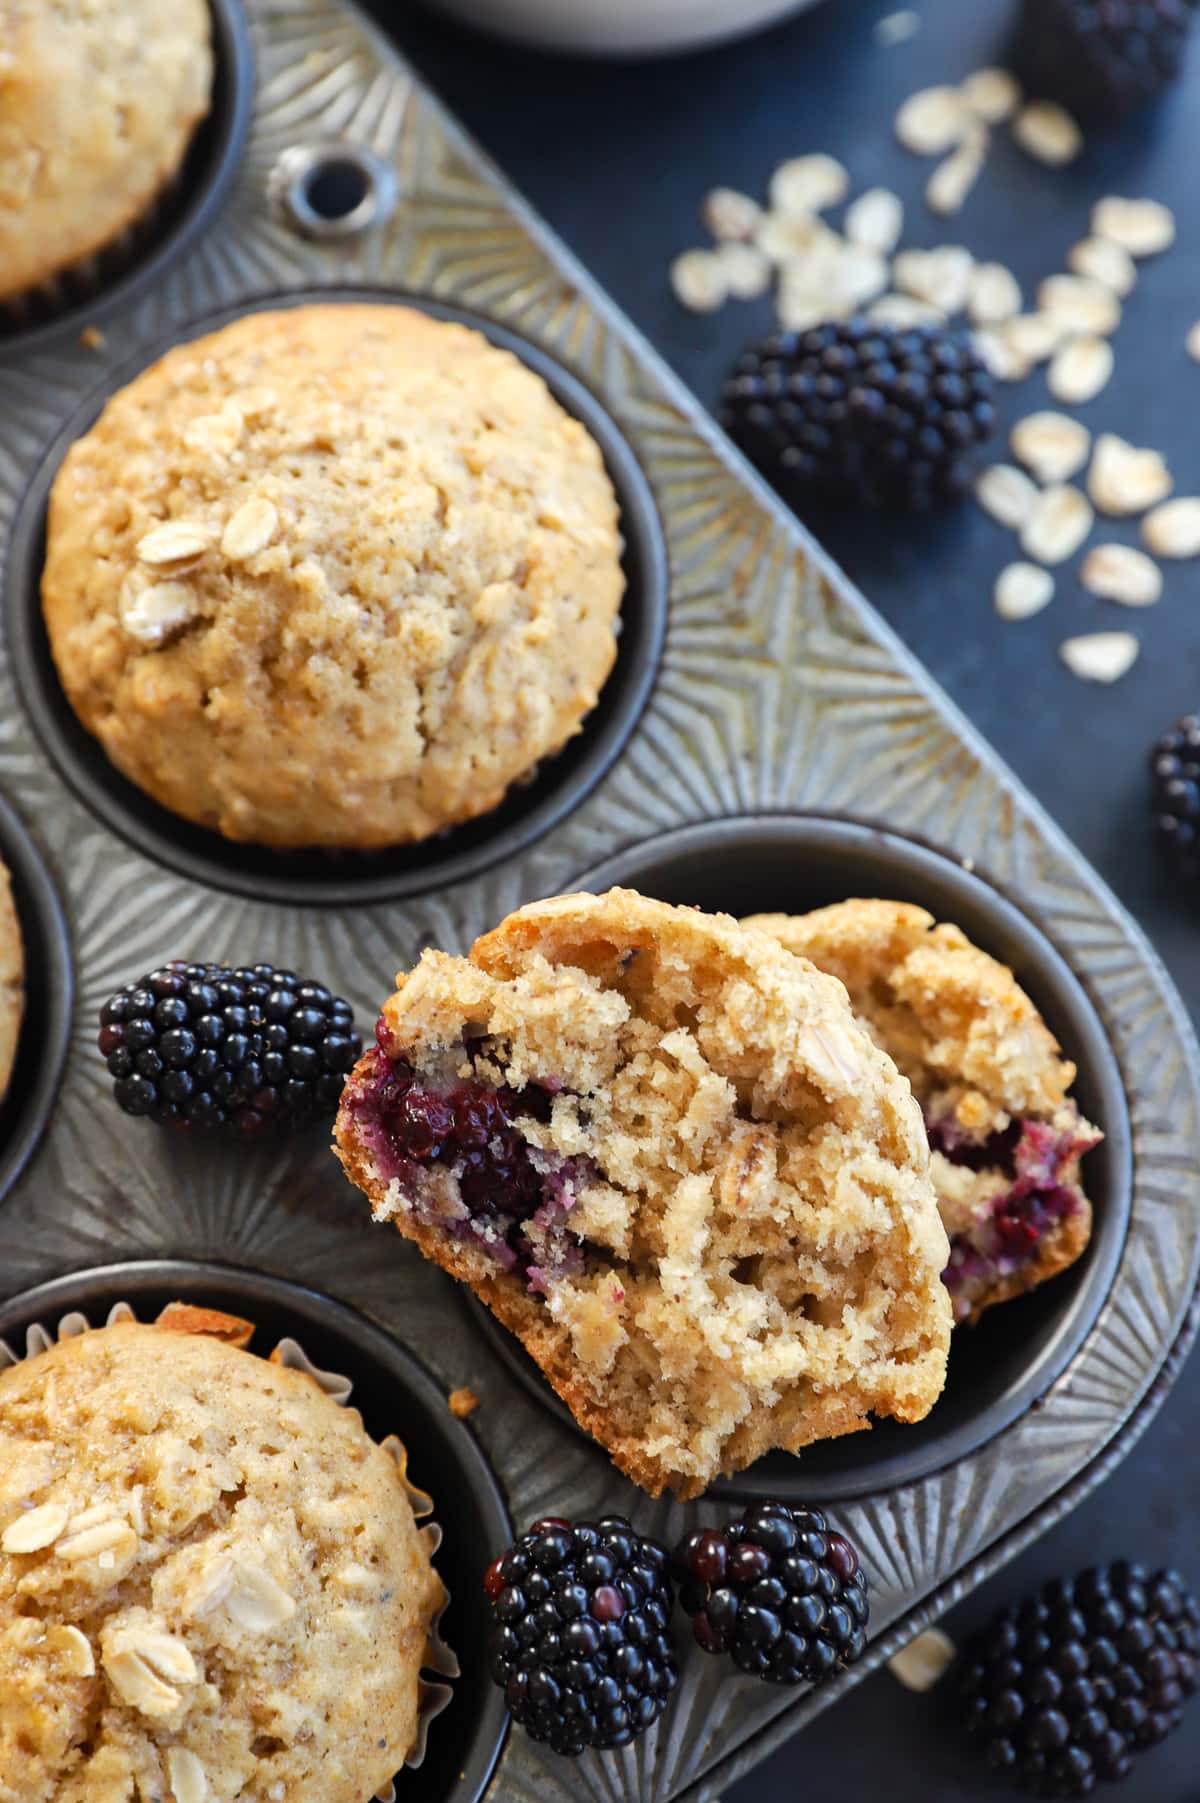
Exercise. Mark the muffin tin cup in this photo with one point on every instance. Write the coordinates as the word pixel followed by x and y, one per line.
pixel 120 271
pixel 462 1724
pixel 45 1033
pixel 998 1368
pixel 344 879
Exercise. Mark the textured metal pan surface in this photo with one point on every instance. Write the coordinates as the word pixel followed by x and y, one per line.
pixel 778 690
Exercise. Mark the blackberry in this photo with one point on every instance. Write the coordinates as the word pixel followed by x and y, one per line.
pixel 778 1590
pixel 582 1644
pixel 1175 788
pixel 200 1045
pixel 1102 58
pixel 856 411
pixel 1064 1690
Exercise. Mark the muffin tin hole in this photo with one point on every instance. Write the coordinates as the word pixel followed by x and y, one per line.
pixel 334 189
pixel 395 1394
pixel 117 276
pixel 999 1368
pixel 49 997
pixel 320 878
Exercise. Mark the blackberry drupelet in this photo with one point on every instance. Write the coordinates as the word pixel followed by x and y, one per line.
pixel 1175 789
pixel 856 411
pixel 582 1643
pixel 200 1045
pixel 778 1591
pixel 1064 1690
pixel 1102 58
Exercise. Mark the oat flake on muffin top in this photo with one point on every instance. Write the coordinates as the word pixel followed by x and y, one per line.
pixel 98 102
pixel 335 576
pixel 212 1586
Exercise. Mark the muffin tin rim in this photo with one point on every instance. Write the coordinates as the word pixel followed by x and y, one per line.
pixel 1093 1284
pixel 583 762
pixel 46 935
pixel 231 117
pixel 83 1288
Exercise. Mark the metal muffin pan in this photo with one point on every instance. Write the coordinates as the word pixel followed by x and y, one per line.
pixel 345 879
pixel 395 1395
pixel 778 692
pixel 49 999
pixel 790 863
pixel 116 277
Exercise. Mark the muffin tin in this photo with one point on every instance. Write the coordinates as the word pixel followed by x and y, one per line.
pixel 778 693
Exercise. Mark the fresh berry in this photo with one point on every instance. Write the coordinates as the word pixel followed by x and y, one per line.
pixel 862 412
pixel 200 1045
pixel 1102 58
pixel 1064 1690
pixel 582 1643
pixel 1175 786
pixel 778 1590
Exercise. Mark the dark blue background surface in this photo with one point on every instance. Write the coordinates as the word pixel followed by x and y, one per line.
pixel 617 158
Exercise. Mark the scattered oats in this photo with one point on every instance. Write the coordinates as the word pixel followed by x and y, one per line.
pixel 35 1530
pixel 897 28
pixel 1047 131
pixel 92 338
pixel 1103 261
pixel 994 294
pixel 1124 479
pixel 903 311
pixel 747 271
pixel 932 121
pixel 947 189
pixel 1193 342
pixel 798 305
pixel 698 281
pixel 1007 494
pixel 808 184
pixel 729 214
pixel 463 1402
pixel 1033 336
pixel 999 356
pixel 1142 227
pixel 1173 530
pixel 175 541
pixel 876 220
pixel 1100 656
pixel 1058 525
pixel 1079 370
pixel 1052 445
pixel 87 1538
pixel 1119 573
pixel 216 433
pixel 786 240
pixel 256 1601
pixel 859 275
pixel 189 1782
pixel 993 95
pixel 1022 590
pixel 941 277
pixel 920 1664
pixel 1080 304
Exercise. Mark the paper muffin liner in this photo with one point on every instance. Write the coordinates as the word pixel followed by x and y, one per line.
pixel 434 1692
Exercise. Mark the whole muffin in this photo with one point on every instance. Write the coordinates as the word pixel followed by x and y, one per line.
pixel 333 576
pixel 663 1152
pixel 12 981
pixel 211 1582
pixel 1006 1134
pixel 98 103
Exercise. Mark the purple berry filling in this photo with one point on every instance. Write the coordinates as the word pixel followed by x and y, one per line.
pixel 515 1198
pixel 1032 1154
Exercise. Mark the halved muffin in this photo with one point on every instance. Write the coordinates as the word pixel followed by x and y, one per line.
pixel 663 1152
